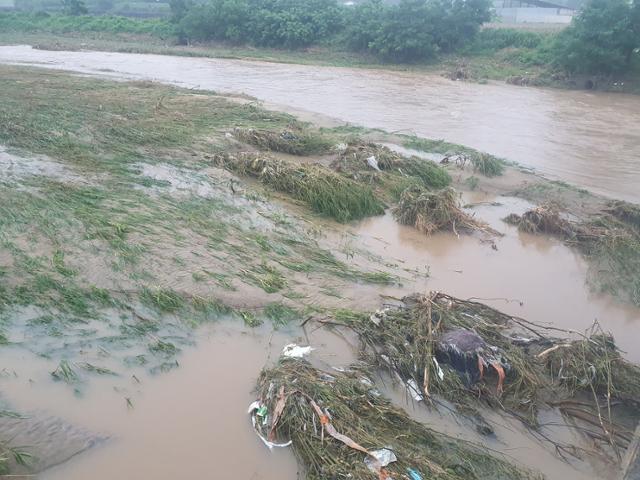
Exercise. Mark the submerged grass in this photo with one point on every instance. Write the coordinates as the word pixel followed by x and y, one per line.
pixel 311 408
pixel 360 159
pixel 324 190
pixel 483 163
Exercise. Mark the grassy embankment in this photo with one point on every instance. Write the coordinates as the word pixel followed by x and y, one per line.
pixel 125 235
pixel 518 56
pixel 123 232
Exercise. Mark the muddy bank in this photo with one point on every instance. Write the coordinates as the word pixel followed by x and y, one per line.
pixel 115 313
pixel 585 138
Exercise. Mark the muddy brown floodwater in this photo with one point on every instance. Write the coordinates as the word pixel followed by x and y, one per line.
pixel 192 422
pixel 589 139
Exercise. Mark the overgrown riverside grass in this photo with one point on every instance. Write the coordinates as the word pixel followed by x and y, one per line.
pixel 610 240
pixel 125 226
pixel 304 404
pixel 495 53
pixel 325 191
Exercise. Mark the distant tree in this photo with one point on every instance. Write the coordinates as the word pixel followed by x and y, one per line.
pixel 179 9
pixel 602 38
pixel 415 30
pixel 74 7
pixel 224 20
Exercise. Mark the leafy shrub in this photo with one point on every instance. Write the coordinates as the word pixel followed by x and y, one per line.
pixel 415 29
pixel 602 39
pixel 219 20
pixel 491 40
pixel 293 23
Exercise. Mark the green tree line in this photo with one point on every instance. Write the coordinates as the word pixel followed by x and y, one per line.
pixel 411 30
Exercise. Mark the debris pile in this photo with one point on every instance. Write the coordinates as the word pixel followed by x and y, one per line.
pixel 324 190
pixel 431 212
pixel 442 347
pixel 542 219
pixel 339 426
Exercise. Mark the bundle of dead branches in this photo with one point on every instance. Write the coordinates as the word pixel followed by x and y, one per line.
pixel 431 212
pixel 341 427
pixel 594 365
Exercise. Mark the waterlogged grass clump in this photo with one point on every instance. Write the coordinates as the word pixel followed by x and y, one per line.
pixel 359 158
pixel 324 190
pixel 294 140
pixel 431 212
pixel 610 240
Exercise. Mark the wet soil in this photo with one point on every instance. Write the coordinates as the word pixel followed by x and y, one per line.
pixel 191 422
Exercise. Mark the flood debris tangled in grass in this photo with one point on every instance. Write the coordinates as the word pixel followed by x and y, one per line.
pixel 431 212
pixel 324 190
pixel 440 346
pixel 337 423
pixel 610 240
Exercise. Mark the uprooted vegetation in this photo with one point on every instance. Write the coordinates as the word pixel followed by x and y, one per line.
pixel 337 421
pixel 431 212
pixel 610 240
pixel 444 347
pixel 294 140
pixel 324 190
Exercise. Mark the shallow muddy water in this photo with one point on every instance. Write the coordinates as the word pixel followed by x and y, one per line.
pixel 530 276
pixel 193 422
pixel 190 423
pixel 590 139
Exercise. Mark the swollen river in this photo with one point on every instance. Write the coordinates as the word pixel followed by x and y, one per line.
pixel 589 139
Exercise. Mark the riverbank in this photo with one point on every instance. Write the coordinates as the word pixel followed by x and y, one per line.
pixel 512 65
pixel 154 236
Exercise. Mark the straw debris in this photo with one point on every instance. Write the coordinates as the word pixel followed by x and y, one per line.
pixel 324 190
pixel 542 219
pixel 335 419
pixel 431 212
